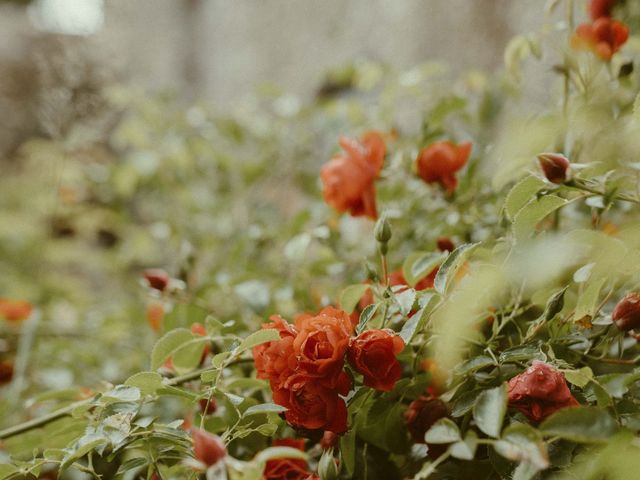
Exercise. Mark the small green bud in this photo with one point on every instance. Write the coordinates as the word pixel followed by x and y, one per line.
pixel 382 231
pixel 327 467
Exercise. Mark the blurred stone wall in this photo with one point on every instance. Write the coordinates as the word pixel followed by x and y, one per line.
pixel 222 49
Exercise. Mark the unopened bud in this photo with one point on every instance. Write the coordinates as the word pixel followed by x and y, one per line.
pixel 208 406
pixel 327 468
pixel 157 278
pixel 445 244
pixel 382 230
pixel 556 167
pixel 626 314
pixel 208 448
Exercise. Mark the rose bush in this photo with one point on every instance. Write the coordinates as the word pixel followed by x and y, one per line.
pixel 501 343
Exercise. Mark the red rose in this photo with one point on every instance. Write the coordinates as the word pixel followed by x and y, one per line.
pixel 601 8
pixel 556 167
pixel 6 372
pixel 156 278
pixel 439 162
pixel 208 447
pixel 373 354
pixel 604 37
pixel 626 314
pixel 445 244
pixel 348 179
pixel 287 468
pixel 14 310
pixel 420 417
pixel 208 406
pixel 321 343
pixel 312 405
pixel 540 391
pixel 276 361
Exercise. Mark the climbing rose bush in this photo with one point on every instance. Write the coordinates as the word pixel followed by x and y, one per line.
pixel 414 276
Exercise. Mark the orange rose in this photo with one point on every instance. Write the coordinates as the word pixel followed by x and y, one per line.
pixel 14 310
pixel 604 37
pixel 439 162
pixel 287 468
pixel 208 448
pixel 275 361
pixel 313 406
pixel 348 179
pixel 321 344
pixel 373 354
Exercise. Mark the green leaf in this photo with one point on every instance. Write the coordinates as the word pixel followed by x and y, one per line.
pixel 348 451
pixel 168 344
pixel 122 393
pixel 580 424
pixel 465 449
pixel 7 470
pixel 351 295
pixel 521 194
pixel 146 382
pixel 521 353
pixel 451 265
pixel 417 321
pixel 189 355
pixel 366 315
pixel 583 273
pixel 264 408
pixel 588 301
pixel 617 384
pixel 418 265
pixel 85 445
pixel 273 453
pixel 405 300
pixel 474 364
pixel 443 431
pixel 258 338
pixel 521 443
pixel 489 410
pixel 579 378
pixel 533 213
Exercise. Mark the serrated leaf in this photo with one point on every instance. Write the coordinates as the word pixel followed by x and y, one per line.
pixel 351 295
pixel 534 212
pixel 122 393
pixel 264 408
pixel 146 382
pixel 417 321
pixel 580 424
pixel 465 449
pixel 579 378
pixel 443 431
pixel 405 300
pixel 85 445
pixel 523 444
pixel 451 265
pixel 258 338
pixel 366 315
pixel 521 193
pixel 489 410
pixel 418 265
pixel 168 344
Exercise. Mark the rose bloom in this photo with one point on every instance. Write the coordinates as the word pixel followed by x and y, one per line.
pixel 373 354
pixel 626 314
pixel 604 37
pixel 287 468
pixel 420 417
pixel 276 361
pixel 312 405
pixel 6 372
pixel 321 344
pixel 14 310
pixel 349 178
pixel 439 162
pixel 208 448
pixel 600 8
pixel 540 391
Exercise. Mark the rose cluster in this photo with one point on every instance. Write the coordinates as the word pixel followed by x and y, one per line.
pixel 305 367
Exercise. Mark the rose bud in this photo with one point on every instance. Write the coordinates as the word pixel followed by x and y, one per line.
pixel 540 391
pixel 445 244
pixel 155 314
pixel 556 167
pixel 208 406
pixel 327 467
pixel 373 354
pixel 439 162
pixel 208 448
pixel 6 372
pixel 626 314
pixel 157 278
pixel 14 310
pixel 420 417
